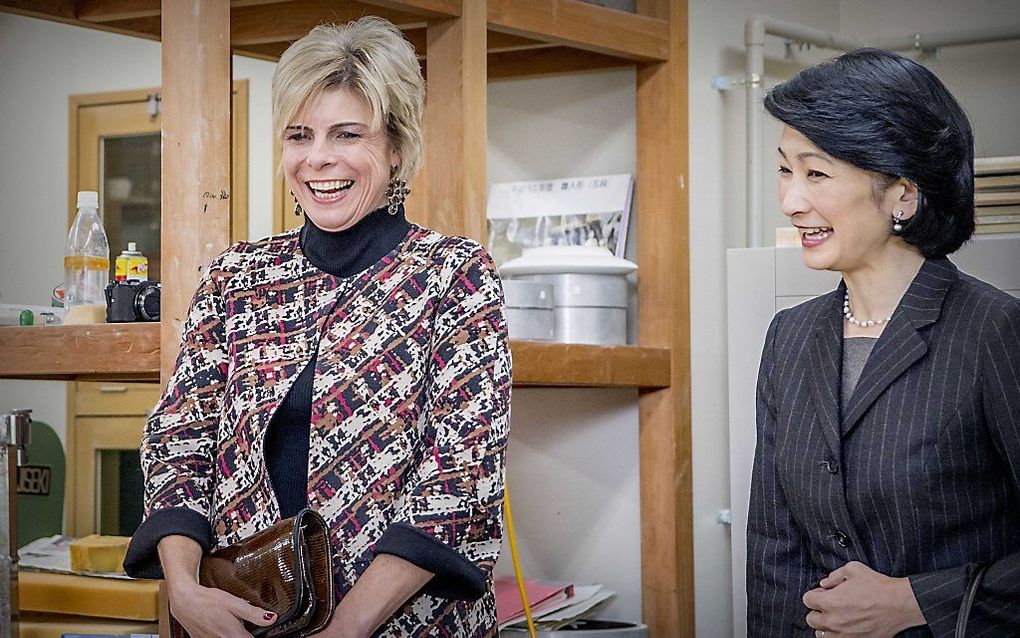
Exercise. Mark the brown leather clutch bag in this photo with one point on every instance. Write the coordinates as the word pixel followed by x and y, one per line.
pixel 286 569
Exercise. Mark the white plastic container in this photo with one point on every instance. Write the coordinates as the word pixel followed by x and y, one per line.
pixel 589 290
pixel 86 263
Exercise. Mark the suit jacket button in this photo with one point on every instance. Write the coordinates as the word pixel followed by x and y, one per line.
pixel 841 539
pixel 831 466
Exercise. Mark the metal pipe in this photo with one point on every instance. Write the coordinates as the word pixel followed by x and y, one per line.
pixel 8 582
pixel 924 41
pixel 807 35
pixel 754 40
pixel 15 434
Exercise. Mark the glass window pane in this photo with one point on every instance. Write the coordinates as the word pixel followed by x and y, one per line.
pixel 130 174
pixel 120 492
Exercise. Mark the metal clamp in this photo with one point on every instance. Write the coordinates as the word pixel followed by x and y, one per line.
pixel 732 82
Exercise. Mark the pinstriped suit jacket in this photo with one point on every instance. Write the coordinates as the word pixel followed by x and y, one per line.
pixel 918 477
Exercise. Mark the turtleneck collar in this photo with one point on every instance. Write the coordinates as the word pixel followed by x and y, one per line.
pixel 347 252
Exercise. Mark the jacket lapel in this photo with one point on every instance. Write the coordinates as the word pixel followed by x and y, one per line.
pixel 902 342
pixel 825 354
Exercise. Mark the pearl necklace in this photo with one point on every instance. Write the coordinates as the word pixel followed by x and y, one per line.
pixel 861 323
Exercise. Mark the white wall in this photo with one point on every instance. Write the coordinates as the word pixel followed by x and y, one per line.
pixel 986 80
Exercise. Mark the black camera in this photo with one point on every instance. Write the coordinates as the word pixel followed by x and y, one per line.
pixel 132 301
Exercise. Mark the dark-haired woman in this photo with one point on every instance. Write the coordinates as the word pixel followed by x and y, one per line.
pixel 887 469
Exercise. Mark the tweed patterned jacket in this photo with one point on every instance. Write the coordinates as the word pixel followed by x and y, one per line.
pixel 410 407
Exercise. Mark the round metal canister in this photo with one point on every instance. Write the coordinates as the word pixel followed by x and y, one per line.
pixel 586 324
pixel 529 310
pixel 585 289
pixel 587 629
pixel 590 308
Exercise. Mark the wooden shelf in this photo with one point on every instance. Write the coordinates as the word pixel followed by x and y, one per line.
pixel 127 351
pixel 130 351
pixel 525 37
pixel 581 365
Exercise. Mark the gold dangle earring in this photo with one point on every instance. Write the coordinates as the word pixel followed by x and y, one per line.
pixel 298 211
pixel 396 192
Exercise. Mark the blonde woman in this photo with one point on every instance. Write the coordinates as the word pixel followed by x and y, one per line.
pixel 358 366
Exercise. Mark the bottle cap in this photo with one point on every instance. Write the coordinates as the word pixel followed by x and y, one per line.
pixel 132 247
pixel 88 199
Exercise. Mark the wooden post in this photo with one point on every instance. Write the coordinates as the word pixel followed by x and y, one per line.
pixel 455 134
pixel 667 557
pixel 196 186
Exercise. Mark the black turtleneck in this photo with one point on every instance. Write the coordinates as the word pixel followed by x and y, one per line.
pixel 343 254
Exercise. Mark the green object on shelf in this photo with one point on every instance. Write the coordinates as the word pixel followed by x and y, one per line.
pixel 26 318
pixel 41 486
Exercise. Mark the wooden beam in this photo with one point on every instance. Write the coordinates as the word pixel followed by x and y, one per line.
pixel 144 27
pixel 498 42
pixel 270 51
pixel 667 540
pixel 57 10
pixel 63 11
pixel 111 10
pixel 288 21
pixel 196 187
pixel 583 25
pixel 549 61
pixel 425 8
pixel 455 125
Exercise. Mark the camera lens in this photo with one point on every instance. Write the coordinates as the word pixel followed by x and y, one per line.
pixel 147 301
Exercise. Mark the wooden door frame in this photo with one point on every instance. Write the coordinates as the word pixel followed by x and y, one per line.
pixel 238 148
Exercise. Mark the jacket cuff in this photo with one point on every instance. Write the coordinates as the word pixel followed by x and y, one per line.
pixel 142 559
pixel 456 577
pixel 939 594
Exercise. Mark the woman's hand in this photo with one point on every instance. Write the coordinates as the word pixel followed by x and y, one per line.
pixel 855 600
pixel 213 613
pixel 384 587
pixel 204 612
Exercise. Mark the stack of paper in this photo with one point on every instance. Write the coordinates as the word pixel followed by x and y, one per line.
pixel 553 604
pixel 997 194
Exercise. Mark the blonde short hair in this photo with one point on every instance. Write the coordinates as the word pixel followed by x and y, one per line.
pixel 369 56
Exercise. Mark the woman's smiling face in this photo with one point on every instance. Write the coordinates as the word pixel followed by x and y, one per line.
pixel 335 164
pixel 843 213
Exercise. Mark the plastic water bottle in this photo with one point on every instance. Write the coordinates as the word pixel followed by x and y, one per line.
pixel 86 263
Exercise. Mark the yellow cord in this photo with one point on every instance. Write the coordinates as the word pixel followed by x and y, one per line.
pixel 517 563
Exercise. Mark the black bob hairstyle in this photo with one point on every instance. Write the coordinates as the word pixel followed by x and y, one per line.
pixel 887 114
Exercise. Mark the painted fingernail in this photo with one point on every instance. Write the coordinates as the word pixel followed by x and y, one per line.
pixel 269 615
